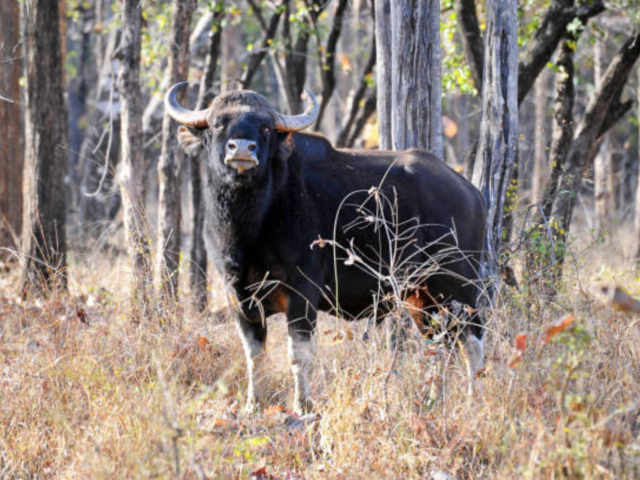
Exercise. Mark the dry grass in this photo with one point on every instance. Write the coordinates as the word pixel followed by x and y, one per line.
pixel 95 395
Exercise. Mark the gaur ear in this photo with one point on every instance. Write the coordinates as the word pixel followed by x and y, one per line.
pixel 286 146
pixel 189 142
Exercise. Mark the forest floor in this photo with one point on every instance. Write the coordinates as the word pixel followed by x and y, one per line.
pixel 87 391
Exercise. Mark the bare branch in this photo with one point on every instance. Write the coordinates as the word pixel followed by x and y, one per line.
pixel 471 39
pixel 551 32
pixel 256 57
pixel 368 110
pixel 356 102
pixel 329 67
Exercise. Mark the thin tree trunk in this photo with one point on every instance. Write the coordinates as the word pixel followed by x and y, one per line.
pixel 296 55
pixel 416 112
pixel 198 267
pixel 540 145
pixel 358 97
pixel 329 64
pixel 131 143
pixel 100 150
pixel 383 70
pixel 499 125
pixel 471 39
pixel 562 129
pixel 10 132
pixel 171 158
pixel 44 208
pixel 603 169
pixel 637 209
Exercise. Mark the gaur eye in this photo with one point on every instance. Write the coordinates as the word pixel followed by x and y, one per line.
pixel 266 129
pixel 219 124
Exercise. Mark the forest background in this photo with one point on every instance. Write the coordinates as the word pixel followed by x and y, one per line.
pixel 116 354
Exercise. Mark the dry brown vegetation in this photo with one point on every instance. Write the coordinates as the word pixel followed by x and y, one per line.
pixel 86 391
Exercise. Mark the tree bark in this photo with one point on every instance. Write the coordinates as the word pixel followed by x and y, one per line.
pixel 471 39
pixel 637 209
pixel 45 160
pixel 171 158
pixel 499 125
pixel 540 146
pixel 408 71
pixel 603 168
pixel 198 267
pixel 562 129
pixel 295 59
pixel 329 65
pixel 383 71
pixel 131 143
pixel 100 151
pixel 10 132
pixel 416 113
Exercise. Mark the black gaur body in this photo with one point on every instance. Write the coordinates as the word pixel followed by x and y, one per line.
pixel 296 226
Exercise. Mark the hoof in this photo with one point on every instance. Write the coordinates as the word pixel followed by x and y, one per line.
pixel 303 406
pixel 252 407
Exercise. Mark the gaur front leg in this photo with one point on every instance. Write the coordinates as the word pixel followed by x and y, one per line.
pixel 253 332
pixel 301 320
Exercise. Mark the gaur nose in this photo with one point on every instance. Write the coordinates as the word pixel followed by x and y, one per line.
pixel 238 147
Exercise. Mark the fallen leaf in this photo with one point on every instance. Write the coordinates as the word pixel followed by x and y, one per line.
pixel 260 474
pixel 518 350
pixel 203 343
pixel 558 327
pixel 82 316
pixel 273 410
pixel 222 422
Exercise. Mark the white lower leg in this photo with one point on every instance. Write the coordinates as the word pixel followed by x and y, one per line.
pixel 474 356
pixel 300 354
pixel 254 353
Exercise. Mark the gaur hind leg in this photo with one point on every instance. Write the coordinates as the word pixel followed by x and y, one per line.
pixel 471 344
pixel 301 322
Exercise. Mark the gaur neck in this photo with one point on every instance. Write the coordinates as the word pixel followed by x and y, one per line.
pixel 238 210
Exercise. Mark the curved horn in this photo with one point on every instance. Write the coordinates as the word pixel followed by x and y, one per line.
pixel 294 123
pixel 190 118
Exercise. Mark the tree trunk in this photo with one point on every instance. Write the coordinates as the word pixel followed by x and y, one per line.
pixel 131 143
pixel 562 129
pixel 100 151
pixel 171 158
pixel 10 131
pixel 416 112
pixel 295 58
pixel 44 208
pixel 471 39
pixel 198 267
pixel 603 169
pixel 540 145
pixel 499 125
pixel 383 70
pixel 329 65
pixel 637 209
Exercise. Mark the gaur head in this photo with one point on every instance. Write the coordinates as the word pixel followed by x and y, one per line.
pixel 241 131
